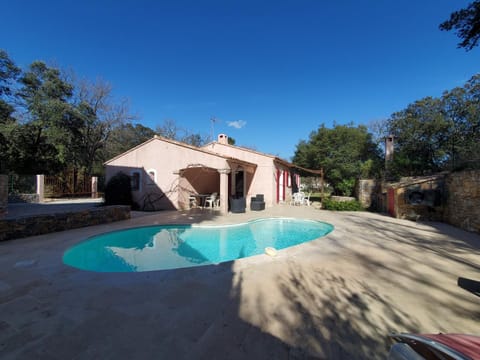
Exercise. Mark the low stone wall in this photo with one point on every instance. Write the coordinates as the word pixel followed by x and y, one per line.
pixel 463 200
pixel 24 198
pixel 342 198
pixel 43 224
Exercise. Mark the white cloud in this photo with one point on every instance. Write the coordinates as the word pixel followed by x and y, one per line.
pixel 237 124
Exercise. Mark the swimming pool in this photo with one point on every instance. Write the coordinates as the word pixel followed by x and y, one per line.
pixel 164 247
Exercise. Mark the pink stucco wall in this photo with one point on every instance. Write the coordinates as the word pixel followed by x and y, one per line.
pixel 166 158
pixel 264 180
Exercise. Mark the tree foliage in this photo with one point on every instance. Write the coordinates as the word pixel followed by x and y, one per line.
pixel 96 117
pixel 9 73
pixel 170 130
pixel 126 136
pixel 51 124
pixel 345 152
pixel 419 133
pixel 435 134
pixel 466 23
pixel 38 143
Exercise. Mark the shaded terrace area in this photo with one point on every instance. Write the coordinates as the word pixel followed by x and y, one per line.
pixel 198 180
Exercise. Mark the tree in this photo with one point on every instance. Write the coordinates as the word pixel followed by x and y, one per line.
pixel 345 152
pixel 420 138
pixel 466 22
pixel 193 139
pixel 38 144
pixel 126 136
pixel 462 109
pixel 53 125
pixel 436 134
pixel 95 114
pixel 9 73
pixel 170 130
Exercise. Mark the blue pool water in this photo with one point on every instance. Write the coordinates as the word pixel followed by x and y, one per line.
pixel 177 246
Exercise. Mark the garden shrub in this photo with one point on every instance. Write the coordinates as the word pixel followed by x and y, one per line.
pixel 353 205
pixel 346 187
pixel 118 190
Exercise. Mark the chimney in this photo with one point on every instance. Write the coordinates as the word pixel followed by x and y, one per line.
pixel 388 148
pixel 222 139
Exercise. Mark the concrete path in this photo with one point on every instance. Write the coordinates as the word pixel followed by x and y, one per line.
pixel 17 210
pixel 335 298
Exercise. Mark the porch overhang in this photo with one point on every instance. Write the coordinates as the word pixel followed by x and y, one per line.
pixel 193 173
pixel 247 166
pixel 297 167
pixel 232 163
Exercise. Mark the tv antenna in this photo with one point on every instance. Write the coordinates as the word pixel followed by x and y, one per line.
pixel 213 120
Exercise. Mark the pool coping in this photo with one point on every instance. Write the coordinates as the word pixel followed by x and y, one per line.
pixel 271 252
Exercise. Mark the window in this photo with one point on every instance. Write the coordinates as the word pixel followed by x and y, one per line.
pixel 152 177
pixel 135 180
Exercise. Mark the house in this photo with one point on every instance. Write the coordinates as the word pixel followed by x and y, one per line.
pixel 165 173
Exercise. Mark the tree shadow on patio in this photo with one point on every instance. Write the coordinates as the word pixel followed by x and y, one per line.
pixel 332 317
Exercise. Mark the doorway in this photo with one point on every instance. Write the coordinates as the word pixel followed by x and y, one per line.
pixel 239 183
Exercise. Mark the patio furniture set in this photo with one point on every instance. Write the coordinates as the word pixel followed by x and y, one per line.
pixel 237 204
pixel 300 198
pixel 204 200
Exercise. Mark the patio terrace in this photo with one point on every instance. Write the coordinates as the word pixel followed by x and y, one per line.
pixel 336 297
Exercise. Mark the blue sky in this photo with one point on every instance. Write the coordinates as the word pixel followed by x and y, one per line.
pixel 270 71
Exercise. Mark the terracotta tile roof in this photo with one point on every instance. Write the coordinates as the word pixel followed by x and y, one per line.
pixel 184 145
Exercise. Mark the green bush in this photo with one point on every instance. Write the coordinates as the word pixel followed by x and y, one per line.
pixel 118 190
pixel 353 205
pixel 346 187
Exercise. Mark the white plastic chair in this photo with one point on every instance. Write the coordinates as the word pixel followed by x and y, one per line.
pixel 297 198
pixel 211 201
pixel 192 201
pixel 306 199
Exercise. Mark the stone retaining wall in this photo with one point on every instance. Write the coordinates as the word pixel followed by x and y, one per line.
pixel 342 198
pixel 43 224
pixel 463 200
pixel 24 198
pixel 366 191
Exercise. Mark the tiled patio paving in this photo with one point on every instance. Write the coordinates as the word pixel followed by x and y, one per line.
pixel 336 297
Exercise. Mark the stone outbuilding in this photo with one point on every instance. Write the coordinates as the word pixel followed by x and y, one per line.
pixel 417 197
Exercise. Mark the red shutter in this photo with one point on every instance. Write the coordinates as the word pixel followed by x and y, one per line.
pixel 278 184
